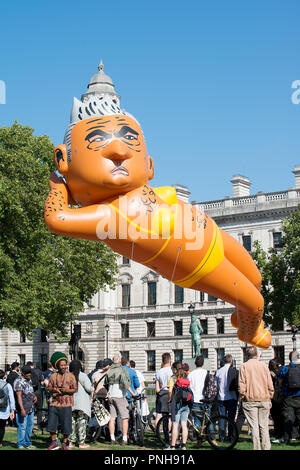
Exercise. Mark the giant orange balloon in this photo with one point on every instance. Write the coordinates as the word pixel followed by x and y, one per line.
pixel 104 170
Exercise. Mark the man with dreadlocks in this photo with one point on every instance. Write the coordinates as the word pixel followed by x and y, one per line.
pixel 104 170
pixel 62 385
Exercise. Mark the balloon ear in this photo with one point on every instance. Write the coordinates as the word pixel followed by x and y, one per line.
pixel 150 168
pixel 60 158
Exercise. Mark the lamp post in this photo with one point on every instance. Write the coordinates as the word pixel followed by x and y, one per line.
pixel 106 338
pixel 191 309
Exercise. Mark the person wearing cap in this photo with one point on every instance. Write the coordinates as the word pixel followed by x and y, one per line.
pixel 25 408
pixel 62 385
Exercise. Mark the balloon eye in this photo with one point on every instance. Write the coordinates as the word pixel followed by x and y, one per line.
pixel 130 137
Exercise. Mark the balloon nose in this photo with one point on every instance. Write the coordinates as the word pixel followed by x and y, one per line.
pixel 116 150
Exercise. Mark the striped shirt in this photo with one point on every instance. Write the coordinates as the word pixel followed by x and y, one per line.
pixel 66 381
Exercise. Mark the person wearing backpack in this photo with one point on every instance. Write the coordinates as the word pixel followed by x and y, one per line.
pixel 7 404
pixel 181 403
pixel 118 382
pixel 290 389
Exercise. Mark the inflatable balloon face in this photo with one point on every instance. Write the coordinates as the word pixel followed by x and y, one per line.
pixel 106 169
pixel 108 157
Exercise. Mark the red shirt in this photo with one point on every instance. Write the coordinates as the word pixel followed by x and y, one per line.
pixel 66 380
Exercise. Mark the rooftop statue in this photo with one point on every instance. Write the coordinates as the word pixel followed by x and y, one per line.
pixel 101 192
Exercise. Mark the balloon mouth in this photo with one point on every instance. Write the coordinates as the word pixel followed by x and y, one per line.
pixel 120 170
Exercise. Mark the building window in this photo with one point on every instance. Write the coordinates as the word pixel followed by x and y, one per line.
pixel 151 329
pixel 279 353
pixel 125 295
pixel 126 260
pixel 44 362
pixel 22 338
pixel 22 359
pixel 151 361
pixel 220 326
pixel 247 242
pixel 125 354
pixel 212 298
pixel 151 293
pixel 43 336
pixel 124 330
pixel 178 328
pixel 277 243
pixel 203 323
pixel 204 352
pixel 178 355
pixel 179 294
pixel 201 296
pixel 220 356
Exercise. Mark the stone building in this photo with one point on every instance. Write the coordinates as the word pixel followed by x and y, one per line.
pixel 146 314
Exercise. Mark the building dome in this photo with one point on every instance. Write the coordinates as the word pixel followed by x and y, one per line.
pixel 100 85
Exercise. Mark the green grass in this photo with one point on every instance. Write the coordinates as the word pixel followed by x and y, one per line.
pixel 42 441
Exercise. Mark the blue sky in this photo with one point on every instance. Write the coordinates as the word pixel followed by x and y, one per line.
pixel 210 82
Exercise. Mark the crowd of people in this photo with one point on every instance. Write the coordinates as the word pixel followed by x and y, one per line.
pixel 70 395
pixel 250 395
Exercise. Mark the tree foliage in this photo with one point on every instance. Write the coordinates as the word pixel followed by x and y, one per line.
pixel 45 279
pixel 281 275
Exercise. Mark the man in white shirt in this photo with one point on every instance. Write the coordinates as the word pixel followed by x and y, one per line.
pixel 227 397
pixel 145 408
pixel 199 381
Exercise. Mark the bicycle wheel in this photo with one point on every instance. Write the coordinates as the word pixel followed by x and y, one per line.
pixel 151 419
pixel 163 430
pixel 221 433
pixel 139 430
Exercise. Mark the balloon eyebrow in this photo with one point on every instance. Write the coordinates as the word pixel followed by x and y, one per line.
pixel 126 129
pixel 97 132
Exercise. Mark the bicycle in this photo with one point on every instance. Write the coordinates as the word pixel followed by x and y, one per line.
pixel 137 424
pixel 151 418
pixel 220 431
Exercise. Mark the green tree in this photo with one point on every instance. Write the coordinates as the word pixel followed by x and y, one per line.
pixel 281 275
pixel 45 279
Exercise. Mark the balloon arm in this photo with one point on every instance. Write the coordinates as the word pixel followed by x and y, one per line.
pixel 76 222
